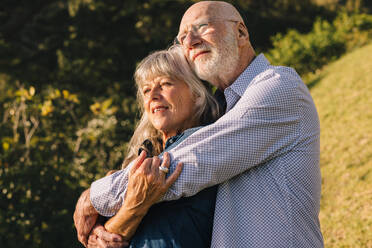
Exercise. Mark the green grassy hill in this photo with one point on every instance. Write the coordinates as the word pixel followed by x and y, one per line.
pixel 343 94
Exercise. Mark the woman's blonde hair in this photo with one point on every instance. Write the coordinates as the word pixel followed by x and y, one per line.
pixel 171 63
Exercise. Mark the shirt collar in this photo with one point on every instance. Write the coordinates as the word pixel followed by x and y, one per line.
pixel 258 65
pixel 177 137
pixel 172 139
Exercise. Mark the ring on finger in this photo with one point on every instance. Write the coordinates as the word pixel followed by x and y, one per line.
pixel 163 169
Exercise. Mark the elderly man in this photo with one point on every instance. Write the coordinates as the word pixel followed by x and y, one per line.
pixel 264 152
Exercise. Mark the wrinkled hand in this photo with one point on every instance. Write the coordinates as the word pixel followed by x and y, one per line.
pixel 85 216
pixel 100 238
pixel 146 185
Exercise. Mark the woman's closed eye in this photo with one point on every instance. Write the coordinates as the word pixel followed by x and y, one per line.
pixel 166 83
pixel 146 91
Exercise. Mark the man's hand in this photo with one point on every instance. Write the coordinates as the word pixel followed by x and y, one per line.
pixel 85 216
pixel 100 238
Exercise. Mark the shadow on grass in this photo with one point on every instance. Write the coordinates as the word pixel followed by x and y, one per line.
pixel 314 81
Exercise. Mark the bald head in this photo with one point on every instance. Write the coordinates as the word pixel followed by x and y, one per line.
pixel 212 9
pixel 216 42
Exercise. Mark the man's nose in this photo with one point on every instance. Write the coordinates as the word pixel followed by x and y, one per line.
pixel 191 40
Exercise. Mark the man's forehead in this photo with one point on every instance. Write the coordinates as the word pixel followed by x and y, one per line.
pixel 198 12
pixel 193 18
pixel 208 10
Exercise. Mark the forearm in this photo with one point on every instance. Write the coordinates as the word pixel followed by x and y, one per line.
pixel 85 217
pixel 88 207
pixel 126 221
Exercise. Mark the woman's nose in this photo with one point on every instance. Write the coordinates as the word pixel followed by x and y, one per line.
pixel 155 93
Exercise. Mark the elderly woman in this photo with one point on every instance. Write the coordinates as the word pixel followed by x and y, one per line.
pixel 174 104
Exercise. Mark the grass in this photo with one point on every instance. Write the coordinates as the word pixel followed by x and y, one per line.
pixel 343 94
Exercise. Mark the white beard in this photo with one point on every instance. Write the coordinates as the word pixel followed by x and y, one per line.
pixel 220 61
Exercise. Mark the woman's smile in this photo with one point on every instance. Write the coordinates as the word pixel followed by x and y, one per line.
pixel 169 110
pixel 159 109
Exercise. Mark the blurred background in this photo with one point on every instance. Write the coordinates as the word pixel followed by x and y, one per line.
pixel 67 101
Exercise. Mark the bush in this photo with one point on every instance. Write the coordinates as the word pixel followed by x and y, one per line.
pixel 326 42
pixel 47 157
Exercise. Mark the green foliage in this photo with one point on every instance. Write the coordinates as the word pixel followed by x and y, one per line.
pixel 343 95
pixel 36 173
pixel 326 42
pixel 47 157
pixel 348 5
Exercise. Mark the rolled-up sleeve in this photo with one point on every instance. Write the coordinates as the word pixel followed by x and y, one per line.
pixel 107 194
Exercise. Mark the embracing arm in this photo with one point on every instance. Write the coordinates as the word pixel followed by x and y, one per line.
pixel 265 123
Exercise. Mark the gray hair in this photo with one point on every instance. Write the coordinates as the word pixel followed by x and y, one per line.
pixel 171 63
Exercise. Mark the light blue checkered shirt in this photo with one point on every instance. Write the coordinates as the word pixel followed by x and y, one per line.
pixel 264 153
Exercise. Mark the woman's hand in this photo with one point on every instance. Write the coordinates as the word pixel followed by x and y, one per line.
pixel 100 238
pixel 146 185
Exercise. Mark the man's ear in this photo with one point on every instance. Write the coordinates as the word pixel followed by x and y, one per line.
pixel 243 35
